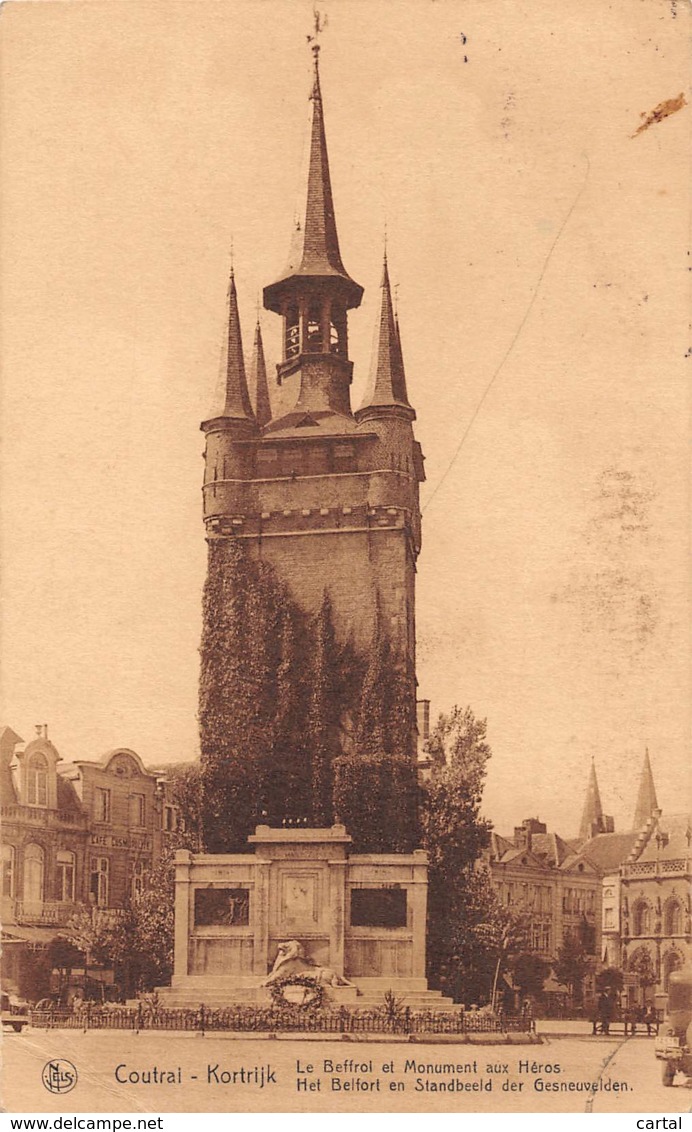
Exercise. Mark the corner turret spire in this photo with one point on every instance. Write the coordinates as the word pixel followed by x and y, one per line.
pixel 647 802
pixel 258 375
pixel 387 385
pixel 236 404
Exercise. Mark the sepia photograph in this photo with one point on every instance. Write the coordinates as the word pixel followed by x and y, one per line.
pixel 345 745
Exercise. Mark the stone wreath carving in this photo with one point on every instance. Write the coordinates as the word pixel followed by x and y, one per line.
pixel 302 992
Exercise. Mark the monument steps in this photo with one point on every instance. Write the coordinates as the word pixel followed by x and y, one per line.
pixel 350 997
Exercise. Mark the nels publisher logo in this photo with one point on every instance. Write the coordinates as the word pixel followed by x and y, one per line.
pixel 59 1076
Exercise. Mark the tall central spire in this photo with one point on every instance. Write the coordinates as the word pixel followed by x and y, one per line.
pixel 315 250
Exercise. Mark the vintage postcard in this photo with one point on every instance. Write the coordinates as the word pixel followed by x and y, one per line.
pixel 346 733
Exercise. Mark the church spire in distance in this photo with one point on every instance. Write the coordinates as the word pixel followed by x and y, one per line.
pixel 592 821
pixel 647 802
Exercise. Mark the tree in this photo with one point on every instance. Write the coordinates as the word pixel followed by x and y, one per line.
pixel 529 972
pixel 610 979
pixel 62 956
pixel 642 965
pixel 572 965
pixel 184 790
pixel 153 925
pixel 105 938
pixel 460 899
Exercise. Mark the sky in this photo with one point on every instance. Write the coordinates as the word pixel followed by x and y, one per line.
pixel 538 247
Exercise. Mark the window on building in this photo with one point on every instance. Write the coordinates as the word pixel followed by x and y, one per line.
pixel 672 924
pixel 642 919
pixel 8 855
pixel 65 877
pixel 170 818
pixel 139 872
pixel 137 810
pixel 102 804
pixel 37 780
pixel 609 918
pixel 33 874
pixel 99 886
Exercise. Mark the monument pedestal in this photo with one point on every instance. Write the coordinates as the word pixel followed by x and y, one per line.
pixel 358 918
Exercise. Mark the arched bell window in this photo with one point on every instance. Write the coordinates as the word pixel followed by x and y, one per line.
pixel 292 333
pixel 314 329
pixel 337 332
pixel 37 780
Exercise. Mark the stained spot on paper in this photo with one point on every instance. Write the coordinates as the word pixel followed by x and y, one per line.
pixel 663 110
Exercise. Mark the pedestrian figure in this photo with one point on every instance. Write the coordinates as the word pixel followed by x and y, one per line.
pixel 605 1012
pixel 650 1020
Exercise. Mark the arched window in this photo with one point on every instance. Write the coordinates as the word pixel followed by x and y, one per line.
pixel 673 918
pixel 8 870
pixel 37 780
pixel 33 874
pixel 642 919
pixel 65 877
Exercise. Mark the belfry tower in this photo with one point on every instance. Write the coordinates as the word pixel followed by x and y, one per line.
pixel 307 687
pixel 327 495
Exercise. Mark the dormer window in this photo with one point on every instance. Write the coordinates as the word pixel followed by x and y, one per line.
pixel 37 780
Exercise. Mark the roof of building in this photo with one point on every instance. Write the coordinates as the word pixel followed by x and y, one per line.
pixel 608 851
pixel 678 829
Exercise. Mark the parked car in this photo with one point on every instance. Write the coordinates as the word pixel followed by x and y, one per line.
pixel 13 1015
pixel 674 1042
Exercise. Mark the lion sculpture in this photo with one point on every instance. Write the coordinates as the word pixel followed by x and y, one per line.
pixel 292 960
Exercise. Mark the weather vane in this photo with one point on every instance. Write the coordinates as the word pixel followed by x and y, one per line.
pixel 319 24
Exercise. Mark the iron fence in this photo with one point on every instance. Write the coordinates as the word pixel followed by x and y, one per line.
pixel 272 1020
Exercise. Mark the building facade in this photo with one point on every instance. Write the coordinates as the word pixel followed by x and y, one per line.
pixel 543 879
pixel 75 835
pixel 628 895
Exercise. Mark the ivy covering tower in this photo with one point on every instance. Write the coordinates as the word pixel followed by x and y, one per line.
pixel 313 524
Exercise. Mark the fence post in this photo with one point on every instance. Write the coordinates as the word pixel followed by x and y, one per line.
pixel 139 1015
pixel 201 1016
